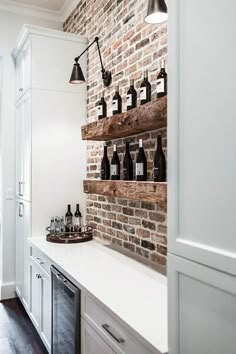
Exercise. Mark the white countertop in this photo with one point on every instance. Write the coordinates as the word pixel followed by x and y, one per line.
pixel 133 291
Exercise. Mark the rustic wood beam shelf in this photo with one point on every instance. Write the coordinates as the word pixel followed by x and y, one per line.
pixel 150 116
pixel 145 191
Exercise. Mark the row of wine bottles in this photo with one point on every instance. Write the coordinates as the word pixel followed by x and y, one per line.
pixel 113 171
pixel 145 94
pixel 68 224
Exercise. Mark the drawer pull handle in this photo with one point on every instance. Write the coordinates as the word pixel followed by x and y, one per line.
pixel 39 276
pixel 116 337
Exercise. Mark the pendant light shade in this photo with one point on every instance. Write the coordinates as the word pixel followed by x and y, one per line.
pixel 157 12
pixel 77 76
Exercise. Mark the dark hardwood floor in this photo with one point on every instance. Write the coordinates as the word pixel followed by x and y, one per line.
pixel 17 333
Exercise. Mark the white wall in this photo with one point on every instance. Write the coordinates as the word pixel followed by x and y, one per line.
pixel 10 26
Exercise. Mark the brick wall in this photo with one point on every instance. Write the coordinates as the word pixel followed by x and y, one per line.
pixel 128 46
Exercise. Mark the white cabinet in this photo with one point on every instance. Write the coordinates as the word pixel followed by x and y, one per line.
pixel 22 251
pixel 91 342
pixel 19 148
pixel 201 126
pixel 19 248
pixel 40 307
pixel 23 147
pixel 45 324
pixel 35 294
pixel 202 309
pixel 201 177
pixel 50 154
pixel 111 330
pixel 23 70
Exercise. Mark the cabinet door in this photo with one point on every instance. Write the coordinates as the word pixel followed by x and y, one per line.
pixel 45 325
pixel 19 148
pixel 26 211
pixel 35 294
pixel 91 342
pixel 19 244
pixel 26 65
pixel 201 132
pixel 19 75
pixel 27 147
pixel 202 309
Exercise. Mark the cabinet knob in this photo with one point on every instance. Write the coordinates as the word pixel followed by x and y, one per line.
pixel 21 89
pixel 38 276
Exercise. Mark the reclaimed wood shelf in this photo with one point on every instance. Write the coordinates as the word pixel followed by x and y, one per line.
pixel 150 116
pixel 146 191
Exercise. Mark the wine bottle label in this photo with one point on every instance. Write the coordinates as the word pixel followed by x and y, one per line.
pixel 114 170
pixel 155 172
pixel 100 110
pixel 139 169
pixel 143 93
pixel 115 105
pixel 160 85
pixel 129 100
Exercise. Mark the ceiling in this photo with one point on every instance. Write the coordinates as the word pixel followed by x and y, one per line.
pixel 56 10
pixel 55 5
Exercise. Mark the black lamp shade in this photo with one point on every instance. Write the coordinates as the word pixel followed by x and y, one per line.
pixel 157 11
pixel 77 76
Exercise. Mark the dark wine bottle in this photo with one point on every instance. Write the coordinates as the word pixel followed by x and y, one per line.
pixel 77 220
pixel 145 90
pixel 116 102
pixel 69 219
pixel 159 164
pixel 127 165
pixel 141 163
pixel 115 165
pixel 131 96
pixel 162 81
pixel 105 166
pixel 102 108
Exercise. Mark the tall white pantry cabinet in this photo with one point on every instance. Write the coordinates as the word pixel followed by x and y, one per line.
pixel 50 154
pixel 202 177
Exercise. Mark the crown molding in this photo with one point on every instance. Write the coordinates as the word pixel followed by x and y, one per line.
pixel 67 9
pixel 30 10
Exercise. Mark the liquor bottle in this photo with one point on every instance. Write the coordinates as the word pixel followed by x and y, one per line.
pixel 105 165
pixel 162 81
pixel 127 165
pixel 115 165
pixel 77 219
pixel 102 108
pixel 116 102
pixel 62 225
pixel 141 163
pixel 57 225
pixel 159 164
pixel 52 226
pixel 131 96
pixel 69 219
pixel 145 90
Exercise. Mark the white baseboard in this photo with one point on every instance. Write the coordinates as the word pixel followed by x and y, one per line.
pixel 7 290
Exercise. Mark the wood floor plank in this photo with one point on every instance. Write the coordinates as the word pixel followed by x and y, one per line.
pixel 17 333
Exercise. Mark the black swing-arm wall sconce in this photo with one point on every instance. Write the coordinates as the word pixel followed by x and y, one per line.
pixel 77 76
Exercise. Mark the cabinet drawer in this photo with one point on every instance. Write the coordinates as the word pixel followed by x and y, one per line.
pixel 42 260
pixel 108 328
